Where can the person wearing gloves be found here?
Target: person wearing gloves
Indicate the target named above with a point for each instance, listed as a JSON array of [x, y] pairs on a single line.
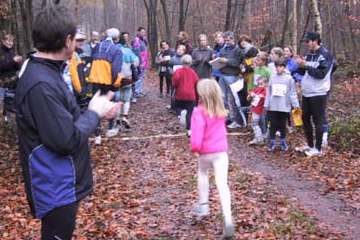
[[53, 134]]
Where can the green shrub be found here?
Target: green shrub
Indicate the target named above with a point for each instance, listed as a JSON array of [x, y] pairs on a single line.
[[345, 134]]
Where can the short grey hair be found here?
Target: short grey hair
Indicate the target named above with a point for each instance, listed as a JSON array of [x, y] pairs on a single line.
[[186, 60], [113, 33], [229, 34]]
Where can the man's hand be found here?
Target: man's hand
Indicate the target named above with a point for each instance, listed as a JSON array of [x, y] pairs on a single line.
[[223, 60], [300, 61], [102, 105], [18, 59], [114, 112], [196, 154]]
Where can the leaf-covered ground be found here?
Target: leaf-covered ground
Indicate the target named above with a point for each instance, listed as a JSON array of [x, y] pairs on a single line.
[[145, 186]]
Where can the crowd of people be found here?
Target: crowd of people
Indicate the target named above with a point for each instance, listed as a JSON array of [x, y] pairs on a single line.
[[259, 87], [216, 88]]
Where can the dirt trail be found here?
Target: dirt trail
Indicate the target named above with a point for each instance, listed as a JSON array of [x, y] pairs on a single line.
[[328, 208]]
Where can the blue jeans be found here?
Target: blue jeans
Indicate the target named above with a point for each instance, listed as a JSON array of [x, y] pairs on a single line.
[[124, 94], [225, 82], [139, 84]]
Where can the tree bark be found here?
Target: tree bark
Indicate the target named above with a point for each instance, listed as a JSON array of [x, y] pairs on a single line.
[[314, 6], [151, 10], [166, 20], [295, 25], [228, 15], [305, 29], [286, 22], [351, 31], [183, 10]]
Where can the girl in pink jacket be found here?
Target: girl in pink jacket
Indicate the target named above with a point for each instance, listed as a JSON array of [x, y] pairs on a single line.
[[209, 144]]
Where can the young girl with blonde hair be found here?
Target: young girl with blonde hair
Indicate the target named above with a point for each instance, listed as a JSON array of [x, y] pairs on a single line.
[[209, 143]]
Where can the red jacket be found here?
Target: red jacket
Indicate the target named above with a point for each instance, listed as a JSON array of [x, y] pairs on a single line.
[[184, 82], [257, 102]]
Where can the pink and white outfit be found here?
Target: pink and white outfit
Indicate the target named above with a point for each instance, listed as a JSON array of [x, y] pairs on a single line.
[[208, 138]]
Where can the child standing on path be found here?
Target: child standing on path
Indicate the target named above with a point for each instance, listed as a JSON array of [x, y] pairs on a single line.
[[209, 142], [257, 98], [280, 97]]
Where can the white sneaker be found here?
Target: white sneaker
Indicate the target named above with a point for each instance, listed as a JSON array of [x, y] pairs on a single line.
[[277, 133], [97, 140], [325, 140], [201, 210], [313, 152], [112, 132], [188, 133], [233, 125], [290, 129], [256, 142], [134, 100], [229, 231], [302, 149]]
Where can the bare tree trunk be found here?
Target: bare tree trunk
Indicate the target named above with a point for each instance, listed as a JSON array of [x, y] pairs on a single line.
[[351, 32], [286, 22], [305, 29], [228, 15], [43, 3], [295, 25], [166, 19], [151, 10], [241, 16], [314, 6], [183, 13]]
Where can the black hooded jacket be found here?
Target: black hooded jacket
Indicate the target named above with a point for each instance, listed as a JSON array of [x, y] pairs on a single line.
[[53, 137]]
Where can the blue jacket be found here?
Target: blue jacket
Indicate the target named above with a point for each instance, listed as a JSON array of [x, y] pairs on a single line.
[[217, 49], [235, 58], [293, 67], [53, 138], [317, 73], [106, 64]]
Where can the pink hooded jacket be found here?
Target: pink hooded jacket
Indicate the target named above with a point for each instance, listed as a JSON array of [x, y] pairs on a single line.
[[208, 134]]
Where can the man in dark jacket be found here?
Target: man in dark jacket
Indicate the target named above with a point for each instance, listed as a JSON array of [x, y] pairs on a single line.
[[317, 69], [53, 135], [231, 57], [201, 58], [9, 62]]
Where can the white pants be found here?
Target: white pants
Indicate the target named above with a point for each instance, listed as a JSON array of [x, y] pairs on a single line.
[[220, 163]]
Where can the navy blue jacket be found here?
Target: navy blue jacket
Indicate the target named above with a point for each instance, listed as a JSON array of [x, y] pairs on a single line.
[[235, 58], [53, 138]]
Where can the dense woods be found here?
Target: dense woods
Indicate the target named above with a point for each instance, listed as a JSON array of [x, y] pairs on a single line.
[[280, 22]]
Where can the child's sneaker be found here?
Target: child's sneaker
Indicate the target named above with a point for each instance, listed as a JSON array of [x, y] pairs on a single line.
[[112, 132], [125, 122], [256, 142], [303, 148], [325, 140], [233, 125], [202, 210], [283, 145], [97, 140], [228, 232], [313, 152], [272, 146], [290, 129], [188, 133]]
